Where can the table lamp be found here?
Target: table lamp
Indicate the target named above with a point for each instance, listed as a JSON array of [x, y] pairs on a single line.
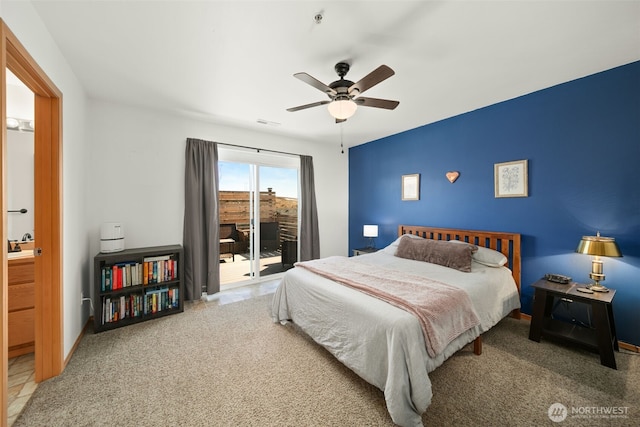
[[598, 246], [370, 232]]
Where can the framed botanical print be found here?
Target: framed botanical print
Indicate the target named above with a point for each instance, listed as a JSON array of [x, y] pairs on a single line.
[[411, 187], [510, 179]]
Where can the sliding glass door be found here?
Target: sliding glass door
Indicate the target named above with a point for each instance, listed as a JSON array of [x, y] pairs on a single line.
[[258, 204]]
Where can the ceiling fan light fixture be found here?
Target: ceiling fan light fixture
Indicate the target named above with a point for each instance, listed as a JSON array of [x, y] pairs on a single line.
[[342, 92], [342, 108]]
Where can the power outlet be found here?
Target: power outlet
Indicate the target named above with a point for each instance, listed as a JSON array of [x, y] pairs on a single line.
[[84, 299]]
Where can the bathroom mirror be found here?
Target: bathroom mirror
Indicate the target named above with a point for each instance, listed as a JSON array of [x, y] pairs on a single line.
[[20, 160]]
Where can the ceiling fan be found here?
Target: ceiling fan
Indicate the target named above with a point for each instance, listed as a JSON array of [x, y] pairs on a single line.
[[344, 95]]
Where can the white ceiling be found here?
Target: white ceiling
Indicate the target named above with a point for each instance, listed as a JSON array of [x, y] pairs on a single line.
[[232, 61]]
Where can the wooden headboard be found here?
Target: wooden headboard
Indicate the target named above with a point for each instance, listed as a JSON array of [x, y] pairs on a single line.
[[506, 243]]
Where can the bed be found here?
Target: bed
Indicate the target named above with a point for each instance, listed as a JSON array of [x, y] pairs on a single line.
[[386, 344]]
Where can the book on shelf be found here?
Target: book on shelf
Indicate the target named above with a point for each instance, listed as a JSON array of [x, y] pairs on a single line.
[[161, 299], [135, 305], [157, 258], [159, 269], [126, 274], [122, 307], [103, 280]]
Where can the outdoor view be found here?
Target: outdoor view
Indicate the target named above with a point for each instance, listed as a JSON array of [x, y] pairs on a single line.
[[276, 248]]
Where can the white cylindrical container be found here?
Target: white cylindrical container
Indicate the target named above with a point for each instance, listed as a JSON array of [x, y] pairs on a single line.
[[111, 237]]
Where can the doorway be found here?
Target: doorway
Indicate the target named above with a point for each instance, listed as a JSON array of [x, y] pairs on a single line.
[[19, 193], [47, 212], [258, 205]]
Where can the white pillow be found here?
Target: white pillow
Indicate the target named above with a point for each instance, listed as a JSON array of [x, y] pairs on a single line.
[[487, 256], [393, 246]]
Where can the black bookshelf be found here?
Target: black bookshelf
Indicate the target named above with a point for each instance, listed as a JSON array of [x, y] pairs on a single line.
[[136, 285]]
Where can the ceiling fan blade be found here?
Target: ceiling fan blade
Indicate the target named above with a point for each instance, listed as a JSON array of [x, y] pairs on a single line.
[[375, 102], [315, 83], [302, 107], [373, 78]]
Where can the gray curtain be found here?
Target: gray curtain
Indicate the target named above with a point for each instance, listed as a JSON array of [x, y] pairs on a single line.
[[201, 232], [309, 237]]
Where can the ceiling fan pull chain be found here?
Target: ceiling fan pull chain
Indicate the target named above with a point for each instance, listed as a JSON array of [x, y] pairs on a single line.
[[341, 134]]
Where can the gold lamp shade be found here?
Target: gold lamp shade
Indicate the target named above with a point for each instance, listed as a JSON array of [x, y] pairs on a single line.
[[598, 246]]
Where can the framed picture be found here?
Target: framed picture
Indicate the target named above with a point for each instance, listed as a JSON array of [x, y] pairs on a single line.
[[510, 179], [411, 187]]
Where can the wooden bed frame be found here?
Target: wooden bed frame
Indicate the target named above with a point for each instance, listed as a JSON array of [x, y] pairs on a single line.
[[506, 243]]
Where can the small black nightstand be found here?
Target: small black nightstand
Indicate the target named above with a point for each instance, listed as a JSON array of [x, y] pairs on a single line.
[[601, 338], [363, 251]]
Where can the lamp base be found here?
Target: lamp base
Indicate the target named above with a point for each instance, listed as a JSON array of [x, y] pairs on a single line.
[[370, 243], [598, 288]]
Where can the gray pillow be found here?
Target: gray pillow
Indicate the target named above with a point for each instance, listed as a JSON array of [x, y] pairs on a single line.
[[439, 252]]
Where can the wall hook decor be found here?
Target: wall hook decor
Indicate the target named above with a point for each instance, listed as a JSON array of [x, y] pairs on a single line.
[[452, 176]]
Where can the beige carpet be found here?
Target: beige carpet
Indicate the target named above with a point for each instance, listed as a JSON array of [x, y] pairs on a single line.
[[229, 365]]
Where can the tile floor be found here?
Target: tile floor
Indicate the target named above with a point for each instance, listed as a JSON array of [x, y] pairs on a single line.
[[21, 369], [21, 384]]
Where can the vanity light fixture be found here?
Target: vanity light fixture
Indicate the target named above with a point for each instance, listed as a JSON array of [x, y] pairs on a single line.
[[26, 125], [12, 123]]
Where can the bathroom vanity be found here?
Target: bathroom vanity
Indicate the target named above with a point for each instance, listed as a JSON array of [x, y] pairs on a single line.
[[21, 306]]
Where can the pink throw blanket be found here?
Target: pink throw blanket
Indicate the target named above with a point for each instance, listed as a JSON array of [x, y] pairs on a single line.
[[444, 311]]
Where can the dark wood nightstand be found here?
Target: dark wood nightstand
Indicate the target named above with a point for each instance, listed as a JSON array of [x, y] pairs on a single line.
[[363, 251], [601, 338]]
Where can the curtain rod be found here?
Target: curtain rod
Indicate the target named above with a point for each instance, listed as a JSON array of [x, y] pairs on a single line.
[[259, 149]]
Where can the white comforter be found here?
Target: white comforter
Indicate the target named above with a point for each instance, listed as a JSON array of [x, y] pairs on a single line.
[[384, 344]]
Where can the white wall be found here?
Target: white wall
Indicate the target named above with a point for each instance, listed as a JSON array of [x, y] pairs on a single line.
[[25, 23], [137, 161], [129, 167]]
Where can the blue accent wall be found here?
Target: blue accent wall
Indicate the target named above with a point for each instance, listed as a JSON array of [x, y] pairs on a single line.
[[582, 143]]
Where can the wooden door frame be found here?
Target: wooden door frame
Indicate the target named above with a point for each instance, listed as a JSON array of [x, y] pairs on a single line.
[[47, 213]]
